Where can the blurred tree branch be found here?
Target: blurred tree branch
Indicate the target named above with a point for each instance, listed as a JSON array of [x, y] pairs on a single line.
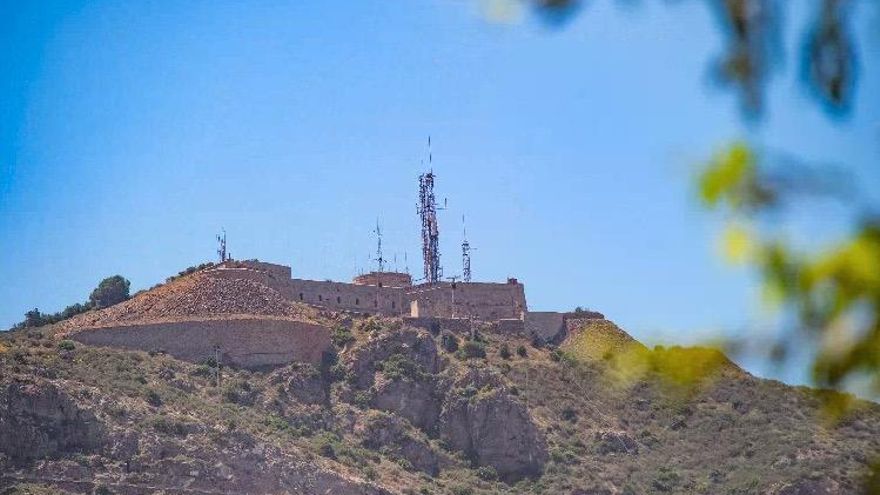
[[751, 30]]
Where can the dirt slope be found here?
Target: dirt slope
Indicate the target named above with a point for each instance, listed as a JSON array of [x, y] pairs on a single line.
[[194, 296]]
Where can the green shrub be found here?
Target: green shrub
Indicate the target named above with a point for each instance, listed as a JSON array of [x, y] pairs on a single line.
[[169, 426], [341, 336], [472, 349], [462, 490], [111, 290], [153, 398], [400, 367], [369, 325], [66, 345], [504, 351], [363, 399], [487, 473], [521, 351], [449, 342]]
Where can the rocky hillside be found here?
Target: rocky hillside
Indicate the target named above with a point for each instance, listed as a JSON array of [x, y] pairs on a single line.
[[406, 411]]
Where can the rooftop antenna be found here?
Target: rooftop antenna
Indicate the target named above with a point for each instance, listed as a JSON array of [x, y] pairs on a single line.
[[221, 246], [405, 263], [379, 257], [465, 255], [427, 210]]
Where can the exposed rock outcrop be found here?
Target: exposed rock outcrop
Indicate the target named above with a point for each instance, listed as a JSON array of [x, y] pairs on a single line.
[[493, 428], [387, 432], [416, 346], [412, 398], [39, 420], [302, 383]]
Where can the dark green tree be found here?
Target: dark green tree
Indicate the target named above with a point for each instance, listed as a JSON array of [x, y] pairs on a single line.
[[111, 290]]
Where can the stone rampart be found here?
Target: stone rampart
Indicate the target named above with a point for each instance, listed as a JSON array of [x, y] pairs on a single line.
[[483, 301], [242, 342], [345, 297], [549, 326]]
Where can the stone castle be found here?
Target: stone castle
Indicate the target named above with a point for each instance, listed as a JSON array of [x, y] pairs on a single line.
[[454, 304], [389, 293], [260, 340]]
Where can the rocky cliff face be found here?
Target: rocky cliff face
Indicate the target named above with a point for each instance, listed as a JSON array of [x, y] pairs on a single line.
[[37, 420], [403, 411]]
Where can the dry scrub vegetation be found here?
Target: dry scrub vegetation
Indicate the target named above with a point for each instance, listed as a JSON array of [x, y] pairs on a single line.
[[609, 416]]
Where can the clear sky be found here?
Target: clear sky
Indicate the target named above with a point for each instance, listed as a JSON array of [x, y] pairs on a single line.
[[131, 132]]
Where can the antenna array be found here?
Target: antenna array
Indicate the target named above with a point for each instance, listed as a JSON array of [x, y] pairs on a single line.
[[427, 210], [221, 247], [465, 255]]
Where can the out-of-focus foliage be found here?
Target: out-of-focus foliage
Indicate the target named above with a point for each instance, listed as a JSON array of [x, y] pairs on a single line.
[[684, 370], [752, 33], [831, 295]]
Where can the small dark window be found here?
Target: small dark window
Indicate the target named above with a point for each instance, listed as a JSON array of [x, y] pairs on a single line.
[[338, 300], [300, 296], [320, 297], [380, 284], [392, 304], [357, 302]]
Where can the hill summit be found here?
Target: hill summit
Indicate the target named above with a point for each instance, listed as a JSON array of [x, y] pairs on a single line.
[[218, 384]]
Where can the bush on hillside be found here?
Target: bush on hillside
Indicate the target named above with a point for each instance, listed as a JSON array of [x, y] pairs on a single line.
[[449, 341], [111, 290], [504, 351], [472, 349], [341, 336]]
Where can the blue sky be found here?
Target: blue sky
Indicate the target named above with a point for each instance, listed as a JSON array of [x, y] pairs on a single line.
[[131, 132]]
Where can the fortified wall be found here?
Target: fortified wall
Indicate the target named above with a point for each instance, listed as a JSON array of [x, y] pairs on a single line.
[[389, 293], [393, 294], [244, 342]]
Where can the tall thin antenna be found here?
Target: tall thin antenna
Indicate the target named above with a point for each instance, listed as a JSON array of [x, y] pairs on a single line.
[[379, 258], [405, 263], [221, 246], [427, 210], [465, 255]]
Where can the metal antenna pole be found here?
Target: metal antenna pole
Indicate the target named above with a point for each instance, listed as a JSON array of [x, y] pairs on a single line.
[[379, 257], [465, 255], [427, 210], [221, 249]]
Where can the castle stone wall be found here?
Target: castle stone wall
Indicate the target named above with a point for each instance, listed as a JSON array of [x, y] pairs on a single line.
[[346, 297], [246, 342], [483, 301], [549, 326]]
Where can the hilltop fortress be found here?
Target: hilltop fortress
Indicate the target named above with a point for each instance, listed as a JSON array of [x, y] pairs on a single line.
[[389, 293], [256, 314], [393, 294]]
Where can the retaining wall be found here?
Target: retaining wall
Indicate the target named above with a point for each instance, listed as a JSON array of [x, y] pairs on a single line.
[[245, 342]]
